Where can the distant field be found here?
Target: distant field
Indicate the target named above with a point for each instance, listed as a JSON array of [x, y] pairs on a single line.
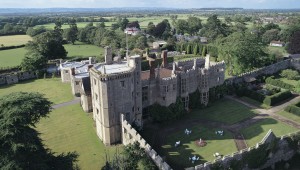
[[53, 89], [79, 25], [12, 57], [14, 40], [70, 129], [9, 58], [83, 50]]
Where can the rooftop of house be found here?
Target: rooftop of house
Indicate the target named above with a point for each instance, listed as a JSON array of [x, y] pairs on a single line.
[[113, 68], [277, 42]]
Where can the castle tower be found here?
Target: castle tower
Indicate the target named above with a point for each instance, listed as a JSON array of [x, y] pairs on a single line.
[[116, 89]]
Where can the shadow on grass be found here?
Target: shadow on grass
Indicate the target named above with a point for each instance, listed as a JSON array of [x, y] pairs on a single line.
[[20, 82]]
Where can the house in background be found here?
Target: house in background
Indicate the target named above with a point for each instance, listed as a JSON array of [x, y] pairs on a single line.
[[277, 44]]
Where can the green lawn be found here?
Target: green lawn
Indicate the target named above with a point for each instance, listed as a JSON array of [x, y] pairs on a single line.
[[53, 88], [83, 50], [224, 110], [179, 157], [255, 133], [14, 40], [289, 115], [70, 129], [255, 103], [9, 58]]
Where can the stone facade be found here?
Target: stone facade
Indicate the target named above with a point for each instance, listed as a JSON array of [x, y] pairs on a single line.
[[13, 78]]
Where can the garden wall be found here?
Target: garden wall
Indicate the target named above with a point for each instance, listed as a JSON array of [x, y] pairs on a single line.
[[13, 78], [130, 135], [283, 153]]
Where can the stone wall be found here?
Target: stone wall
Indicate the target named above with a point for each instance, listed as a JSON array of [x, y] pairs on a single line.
[[283, 153], [130, 135], [13, 78]]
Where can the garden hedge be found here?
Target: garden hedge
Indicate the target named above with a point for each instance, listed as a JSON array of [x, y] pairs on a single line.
[[11, 47], [279, 83], [293, 109], [276, 98]]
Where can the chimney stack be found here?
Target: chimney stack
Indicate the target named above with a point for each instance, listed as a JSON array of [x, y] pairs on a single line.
[[72, 71], [108, 55], [164, 56], [90, 66], [90, 60], [152, 69]]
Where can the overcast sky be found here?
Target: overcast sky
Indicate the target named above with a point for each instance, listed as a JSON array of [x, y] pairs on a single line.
[[257, 4]]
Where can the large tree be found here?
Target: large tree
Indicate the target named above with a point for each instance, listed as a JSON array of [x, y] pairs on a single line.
[[72, 32], [293, 47], [270, 35], [20, 145], [214, 28], [242, 52], [194, 25]]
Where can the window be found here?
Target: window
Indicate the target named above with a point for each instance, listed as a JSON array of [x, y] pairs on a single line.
[[183, 85], [164, 98], [137, 94], [122, 83], [166, 88], [174, 87], [95, 81], [77, 82], [66, 71], [218, 80], [96, 96], [97, 111]]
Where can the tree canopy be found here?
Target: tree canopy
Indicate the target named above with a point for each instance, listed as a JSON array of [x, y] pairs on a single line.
[[20, 145]]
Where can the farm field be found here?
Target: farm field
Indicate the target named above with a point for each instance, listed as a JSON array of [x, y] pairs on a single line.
[[255, 133], [69, 129], [14, 40], [13, 57], [52, 88]]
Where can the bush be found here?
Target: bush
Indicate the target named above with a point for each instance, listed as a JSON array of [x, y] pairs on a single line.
[[293, 109], [279, 83], [276, 98], [290, 74], [11, 47], [254, 95]]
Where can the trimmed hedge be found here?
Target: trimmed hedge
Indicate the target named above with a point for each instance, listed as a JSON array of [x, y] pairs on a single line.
[[11, 47], [254, 95], [276, 98], [293, 109], [279, 83]]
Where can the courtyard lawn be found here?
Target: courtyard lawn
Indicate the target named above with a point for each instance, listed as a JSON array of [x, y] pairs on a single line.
[[13, 57], [224, 110], [290, 116], [83, 50], [256, 132], [178, 157], [53, 88], [70, 129], [14, 40]]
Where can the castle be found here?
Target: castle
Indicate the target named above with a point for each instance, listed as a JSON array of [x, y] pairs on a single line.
[[118, 87]]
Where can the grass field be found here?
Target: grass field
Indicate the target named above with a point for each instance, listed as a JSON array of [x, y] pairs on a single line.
[[53, 88], [226, 111], [12, 57], [83, 50], [14, 40], [289, 115], [255, 133], [70, 129], [179, 156]]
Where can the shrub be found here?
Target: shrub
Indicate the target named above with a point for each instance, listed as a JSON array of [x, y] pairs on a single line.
[[290, 74], [11, 47], [293, 109], [276, 98]]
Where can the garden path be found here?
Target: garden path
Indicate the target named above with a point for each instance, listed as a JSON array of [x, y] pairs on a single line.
[[74, 101]]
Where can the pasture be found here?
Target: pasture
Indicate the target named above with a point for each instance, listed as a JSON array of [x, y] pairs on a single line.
[[14, 40], [13, 57]]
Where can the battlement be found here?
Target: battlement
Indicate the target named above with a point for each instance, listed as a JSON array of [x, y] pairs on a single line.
[[130, 135]]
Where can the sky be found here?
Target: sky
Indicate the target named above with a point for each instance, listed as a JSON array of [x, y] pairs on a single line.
[[248, 4]]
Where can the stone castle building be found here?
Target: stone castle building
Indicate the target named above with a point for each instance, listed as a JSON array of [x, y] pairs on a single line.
[[118, 87]]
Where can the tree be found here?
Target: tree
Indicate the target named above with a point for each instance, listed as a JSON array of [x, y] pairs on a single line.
[[150, 28], [48, 44], [270, 35], [214, 28], [181, 26], [271, 26], [194, 25], [72, 32], [33, 62], [290, 74], [133, 24], [196, 49], [188, 49], [123, 23], [293, 47], [20, 145], [141, 42], [242, 52]]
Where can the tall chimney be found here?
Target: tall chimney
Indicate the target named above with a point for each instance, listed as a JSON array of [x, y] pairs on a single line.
[[90, 60], [207, 61], [72, 71], [108, 55], [164, 56], [152, 69]]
